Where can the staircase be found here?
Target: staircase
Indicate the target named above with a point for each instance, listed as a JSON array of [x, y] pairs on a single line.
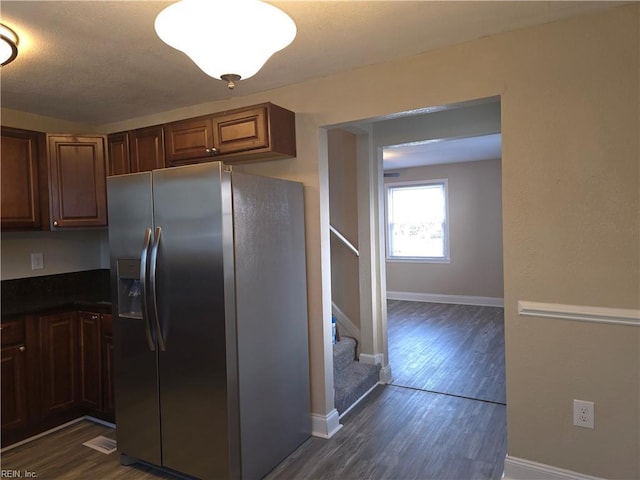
[[351, 379]]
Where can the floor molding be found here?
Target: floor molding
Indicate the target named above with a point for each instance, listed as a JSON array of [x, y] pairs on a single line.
[[521, 469], [325, 426], [59, 427], [441, 298], [583, 313], [42, 434], [386, 376], [359, 400]]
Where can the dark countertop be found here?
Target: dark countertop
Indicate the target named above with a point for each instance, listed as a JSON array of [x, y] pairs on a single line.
[[69, 291]]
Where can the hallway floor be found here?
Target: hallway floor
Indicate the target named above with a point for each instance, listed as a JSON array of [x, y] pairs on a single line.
[[399, 432]]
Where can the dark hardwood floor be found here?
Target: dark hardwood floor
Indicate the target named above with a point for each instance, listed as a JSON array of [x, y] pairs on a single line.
[[399, 432], [452, 349]]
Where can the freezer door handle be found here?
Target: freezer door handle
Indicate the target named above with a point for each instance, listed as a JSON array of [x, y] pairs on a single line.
[[152, 282], [143, 283]]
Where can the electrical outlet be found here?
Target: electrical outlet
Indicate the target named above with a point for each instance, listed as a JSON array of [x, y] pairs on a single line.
[[583, 414], [37, 262]]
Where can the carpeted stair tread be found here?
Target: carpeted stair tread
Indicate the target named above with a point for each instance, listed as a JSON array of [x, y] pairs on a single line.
[[352, 382], [351, 379], [344, 353]]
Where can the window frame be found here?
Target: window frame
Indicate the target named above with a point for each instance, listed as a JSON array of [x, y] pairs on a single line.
[[388, 187]]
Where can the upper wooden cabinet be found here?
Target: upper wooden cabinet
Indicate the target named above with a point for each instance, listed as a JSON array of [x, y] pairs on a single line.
[[188, 139], [147, 149], [77, 180], [20, 163], [119, 156], [260, 132], [140, 150]]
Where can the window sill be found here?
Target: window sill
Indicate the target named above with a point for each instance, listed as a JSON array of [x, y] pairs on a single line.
[[418, 259]]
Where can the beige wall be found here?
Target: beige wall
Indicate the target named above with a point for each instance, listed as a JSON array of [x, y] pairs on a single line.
[[343, 213], [63, 252], [570, 123], [475, 232]]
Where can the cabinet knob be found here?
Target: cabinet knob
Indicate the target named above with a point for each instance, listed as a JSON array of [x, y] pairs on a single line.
[[22, 348], [212, 150], [94, 317], [55, 223]]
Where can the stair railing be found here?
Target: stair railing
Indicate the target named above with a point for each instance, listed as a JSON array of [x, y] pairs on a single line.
[[344, 240]]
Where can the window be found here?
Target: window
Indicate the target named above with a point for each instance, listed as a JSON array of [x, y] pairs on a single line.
[[417, 228]]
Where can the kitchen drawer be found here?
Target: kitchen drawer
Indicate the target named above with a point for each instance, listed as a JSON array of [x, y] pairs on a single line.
[[12, 332]]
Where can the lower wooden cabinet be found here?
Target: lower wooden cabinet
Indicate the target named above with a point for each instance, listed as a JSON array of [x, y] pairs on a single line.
[[90, 360], [13, 383], [108, 392], [55, 367], [58, 362]]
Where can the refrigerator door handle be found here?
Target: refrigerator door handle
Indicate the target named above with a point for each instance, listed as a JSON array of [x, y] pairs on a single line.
[[143, 283], [152, 283]]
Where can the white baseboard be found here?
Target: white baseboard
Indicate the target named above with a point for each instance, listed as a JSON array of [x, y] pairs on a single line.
[[441, 298], [359, 400], [325, 426], [344, 322], [371, 359], [386, 376], [521, 469]]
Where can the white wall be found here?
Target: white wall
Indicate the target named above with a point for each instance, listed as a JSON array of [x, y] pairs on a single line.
[[475, 232]]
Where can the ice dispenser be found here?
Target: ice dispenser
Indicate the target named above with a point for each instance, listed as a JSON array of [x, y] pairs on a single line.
[[129, 288]]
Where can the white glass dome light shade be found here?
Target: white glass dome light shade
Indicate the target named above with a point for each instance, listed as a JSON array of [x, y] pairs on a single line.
[[8, 45], [226, 37]]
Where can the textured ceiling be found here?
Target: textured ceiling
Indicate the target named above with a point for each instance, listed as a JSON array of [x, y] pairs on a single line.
[[100, 62]]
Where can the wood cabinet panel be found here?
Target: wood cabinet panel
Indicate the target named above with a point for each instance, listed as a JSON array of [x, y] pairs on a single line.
[[188, 139], [237, 132], [13, 382], [58, 362], [118, 144], [19, 165], [77, 180], [260, 132], [147, 149], [90, 360], [108, 398]]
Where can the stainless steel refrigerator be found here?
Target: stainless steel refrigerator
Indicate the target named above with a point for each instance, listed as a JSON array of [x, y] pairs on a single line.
[[210, 320]]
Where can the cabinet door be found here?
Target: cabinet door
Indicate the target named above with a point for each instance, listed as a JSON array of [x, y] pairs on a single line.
[[188, 140], [59, 362], [108, 396], [261, 132], [241, 131], [19, 156], [14, 387], [147, 149], [119, 153], [77, 180], [90, 361]]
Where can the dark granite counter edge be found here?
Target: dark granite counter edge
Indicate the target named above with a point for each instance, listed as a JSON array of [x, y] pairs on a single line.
[[98, 306], [88, 290]]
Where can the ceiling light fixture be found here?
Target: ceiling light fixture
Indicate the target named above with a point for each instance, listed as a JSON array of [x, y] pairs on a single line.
[[227, 39], [8, 45]]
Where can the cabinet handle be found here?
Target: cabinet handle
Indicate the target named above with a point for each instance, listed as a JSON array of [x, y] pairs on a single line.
[[212, 151], [22, 348], [55, 223]]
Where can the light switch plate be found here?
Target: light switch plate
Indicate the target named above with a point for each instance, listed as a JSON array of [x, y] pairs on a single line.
[[37, 261]]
